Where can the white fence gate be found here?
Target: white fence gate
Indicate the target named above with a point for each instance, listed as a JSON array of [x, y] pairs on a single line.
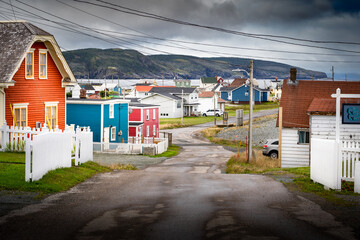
[[350, 153], [47, 150]]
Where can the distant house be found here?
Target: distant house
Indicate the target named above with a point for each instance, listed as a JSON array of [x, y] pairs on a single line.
[[301, 98], [241, 94], [238, 82], [206, 101], [90, 90], [33, 76], [143, 120], [208, 83], [169, 99], [182, 83], [140, 91]]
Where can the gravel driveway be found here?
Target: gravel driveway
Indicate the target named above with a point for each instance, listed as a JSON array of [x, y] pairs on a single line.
[[264, 128]]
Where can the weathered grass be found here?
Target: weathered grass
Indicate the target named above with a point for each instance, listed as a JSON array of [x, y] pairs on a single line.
[[258, 107], [123, 167], [237, 164], [171, 152], [170, 123]]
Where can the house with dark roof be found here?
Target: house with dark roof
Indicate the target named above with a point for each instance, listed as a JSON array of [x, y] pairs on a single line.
[[90, 90], [309, 112], [241, 94], [143, 120], [170, 99], [33, 76], [208, 83]]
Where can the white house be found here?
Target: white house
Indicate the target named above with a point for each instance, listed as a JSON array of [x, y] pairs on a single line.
[[206, 100], [140, 91], [170, 99], [208, 83], [298, 101]]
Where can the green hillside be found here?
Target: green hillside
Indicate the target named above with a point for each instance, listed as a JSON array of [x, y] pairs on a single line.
[[100, 63]]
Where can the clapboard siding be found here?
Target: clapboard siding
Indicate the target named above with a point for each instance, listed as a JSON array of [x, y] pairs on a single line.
[[37, 91], [292, 153], [324, 127]]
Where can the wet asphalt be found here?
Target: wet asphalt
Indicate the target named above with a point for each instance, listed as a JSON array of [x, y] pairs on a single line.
[[184, 197]]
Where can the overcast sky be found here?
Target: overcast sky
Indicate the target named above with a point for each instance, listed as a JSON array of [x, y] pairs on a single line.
[[322, 20]]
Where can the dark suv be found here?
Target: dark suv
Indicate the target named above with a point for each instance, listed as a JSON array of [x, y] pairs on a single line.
[[271, 148]]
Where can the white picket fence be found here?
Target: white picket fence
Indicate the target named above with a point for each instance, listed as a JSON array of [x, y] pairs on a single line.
[[350, 153], [47, 150]]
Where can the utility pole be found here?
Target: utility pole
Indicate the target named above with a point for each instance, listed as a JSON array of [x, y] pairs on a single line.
[[333, 73], [214, 110], [250, 110], [182, 106]]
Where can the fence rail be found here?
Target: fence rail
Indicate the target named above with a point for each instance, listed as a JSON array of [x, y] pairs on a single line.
[[350, 153]]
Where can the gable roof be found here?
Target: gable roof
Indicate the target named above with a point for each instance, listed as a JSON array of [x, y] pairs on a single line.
[[88, 87], [238, 82], [227, 89], [297, 98], [206, 95], [16, 37], [172, 92], [209, 80]]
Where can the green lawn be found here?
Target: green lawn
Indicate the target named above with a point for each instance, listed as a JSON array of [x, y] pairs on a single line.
[[264, 106], [169, 123], [12, 175], [171, 152]]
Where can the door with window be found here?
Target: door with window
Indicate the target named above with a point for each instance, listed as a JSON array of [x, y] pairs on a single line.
[[106, 138]]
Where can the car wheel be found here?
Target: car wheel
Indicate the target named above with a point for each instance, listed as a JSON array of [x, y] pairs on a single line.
[[204, 115], [273, 155], [217, 115]]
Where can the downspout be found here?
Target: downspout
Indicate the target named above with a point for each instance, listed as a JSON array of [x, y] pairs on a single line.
[[102, 125], [119, 123]]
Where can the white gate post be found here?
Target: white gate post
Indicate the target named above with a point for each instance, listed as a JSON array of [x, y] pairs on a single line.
[[337, 138], [28, 158], [77, 143]]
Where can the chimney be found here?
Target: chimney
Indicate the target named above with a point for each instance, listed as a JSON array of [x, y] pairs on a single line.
[[292, 79]]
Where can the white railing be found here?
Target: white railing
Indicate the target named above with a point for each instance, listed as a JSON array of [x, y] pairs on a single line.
[[350, 153]]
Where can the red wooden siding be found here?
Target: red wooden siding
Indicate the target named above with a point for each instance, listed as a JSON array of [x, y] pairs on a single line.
[[37, 91], [132, 132], [135, 115], [151, 122]]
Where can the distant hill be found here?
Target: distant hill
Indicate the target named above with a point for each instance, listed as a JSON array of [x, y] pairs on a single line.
[[132, 64]]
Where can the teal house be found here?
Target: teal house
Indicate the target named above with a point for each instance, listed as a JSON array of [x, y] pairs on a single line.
[[242, 94], [107, 118]]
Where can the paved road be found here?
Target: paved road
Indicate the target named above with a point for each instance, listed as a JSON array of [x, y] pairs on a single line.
[[185, 197]]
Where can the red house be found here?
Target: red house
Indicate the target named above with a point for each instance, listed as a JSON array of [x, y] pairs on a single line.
[[143, 120], [33, 76]]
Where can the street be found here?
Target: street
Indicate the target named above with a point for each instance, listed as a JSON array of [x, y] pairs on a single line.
[[185, 197]]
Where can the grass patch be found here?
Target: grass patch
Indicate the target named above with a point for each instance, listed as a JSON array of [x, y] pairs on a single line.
[[123, 167], [258, 107], [12, 176], [170, 123], [238, 164], [171, 152]]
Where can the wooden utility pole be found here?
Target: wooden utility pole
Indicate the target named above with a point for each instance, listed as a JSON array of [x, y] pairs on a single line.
[[182, 107], [214, 110], [280, 132], [333, 73], [250, 110]]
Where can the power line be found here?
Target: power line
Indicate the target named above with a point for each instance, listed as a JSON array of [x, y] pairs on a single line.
[[158, 17]]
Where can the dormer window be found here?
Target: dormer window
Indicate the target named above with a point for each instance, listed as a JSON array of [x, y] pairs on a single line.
[[29, 65], [42, 64]]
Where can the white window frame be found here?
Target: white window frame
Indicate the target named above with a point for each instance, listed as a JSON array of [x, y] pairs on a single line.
[[43, 51], [154, 130], [21, 105], [147, 114], [147, 131], [52, 104], [305, 131], [154, 114], [111, 110], [113, 133], [32, 50]]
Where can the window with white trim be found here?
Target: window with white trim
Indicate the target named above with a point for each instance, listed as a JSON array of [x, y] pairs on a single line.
[[147, 114], [51, 114], [20, 114], [154, 114], [154, 130], [147, 131], [29, 65], [42, 63], [113, 133], [111, 110]]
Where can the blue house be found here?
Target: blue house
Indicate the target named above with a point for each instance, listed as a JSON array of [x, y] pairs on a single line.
[[241, 94], [107, 118]]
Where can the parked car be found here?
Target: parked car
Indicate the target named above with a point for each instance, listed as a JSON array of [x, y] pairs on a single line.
[[271, 148], [211, 112]]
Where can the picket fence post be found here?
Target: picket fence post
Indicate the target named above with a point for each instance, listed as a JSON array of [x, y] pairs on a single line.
[[28, 175]]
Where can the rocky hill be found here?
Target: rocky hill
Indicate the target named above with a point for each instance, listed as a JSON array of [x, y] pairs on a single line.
[[126, 64]]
